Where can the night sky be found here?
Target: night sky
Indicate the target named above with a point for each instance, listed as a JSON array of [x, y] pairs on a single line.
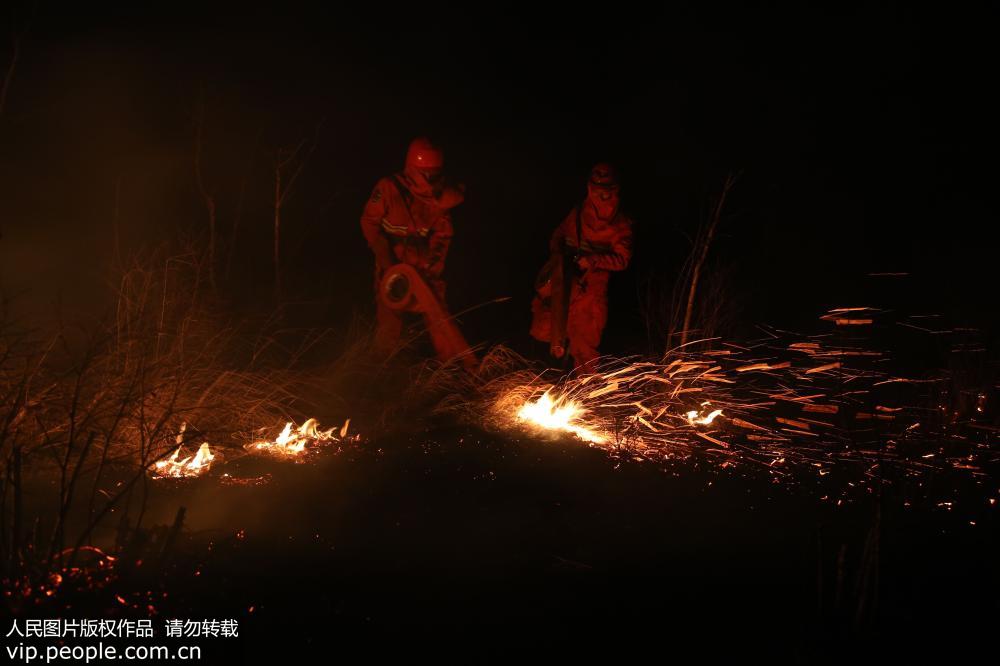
[[864, 139]]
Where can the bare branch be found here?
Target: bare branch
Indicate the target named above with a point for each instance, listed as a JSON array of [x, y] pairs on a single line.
[[702, 253]]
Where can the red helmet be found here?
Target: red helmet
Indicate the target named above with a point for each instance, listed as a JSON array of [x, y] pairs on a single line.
[[424, 155]]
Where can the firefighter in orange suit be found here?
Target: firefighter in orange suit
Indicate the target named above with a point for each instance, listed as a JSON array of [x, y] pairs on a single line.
[[597, 236], [408, 219]]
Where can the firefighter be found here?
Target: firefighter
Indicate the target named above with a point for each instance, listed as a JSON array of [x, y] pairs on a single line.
[[408, 219], [594, 240]]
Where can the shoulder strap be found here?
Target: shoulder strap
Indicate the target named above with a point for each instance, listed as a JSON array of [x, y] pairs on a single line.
[[403, 192], [406, 196]]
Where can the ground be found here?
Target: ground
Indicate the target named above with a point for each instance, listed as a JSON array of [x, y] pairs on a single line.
[[468, 542]]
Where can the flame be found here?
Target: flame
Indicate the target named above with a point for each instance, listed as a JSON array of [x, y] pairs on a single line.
[[694, 419], [292, 441], [185, 467], [560, 414]]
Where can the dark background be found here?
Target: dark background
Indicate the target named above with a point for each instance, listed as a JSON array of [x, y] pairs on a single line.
[[865, 140], [863, 134]]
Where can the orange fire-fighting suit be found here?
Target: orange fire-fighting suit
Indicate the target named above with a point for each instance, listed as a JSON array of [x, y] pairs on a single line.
[[599, 237], [407, 219]]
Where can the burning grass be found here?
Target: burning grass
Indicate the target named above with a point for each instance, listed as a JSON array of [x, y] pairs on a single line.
[[790, 406], [560, 414], [188, 466], [295, 442]]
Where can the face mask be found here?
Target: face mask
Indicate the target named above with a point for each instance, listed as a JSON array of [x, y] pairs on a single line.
[[424, 181], [605, 201], [433, 177]]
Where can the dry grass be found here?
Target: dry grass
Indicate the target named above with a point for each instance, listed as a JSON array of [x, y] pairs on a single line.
[[697, 303], [96, 405]]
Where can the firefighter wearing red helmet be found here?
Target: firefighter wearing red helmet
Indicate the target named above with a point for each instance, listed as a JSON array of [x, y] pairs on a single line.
[[408, 219], [594, 240]]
